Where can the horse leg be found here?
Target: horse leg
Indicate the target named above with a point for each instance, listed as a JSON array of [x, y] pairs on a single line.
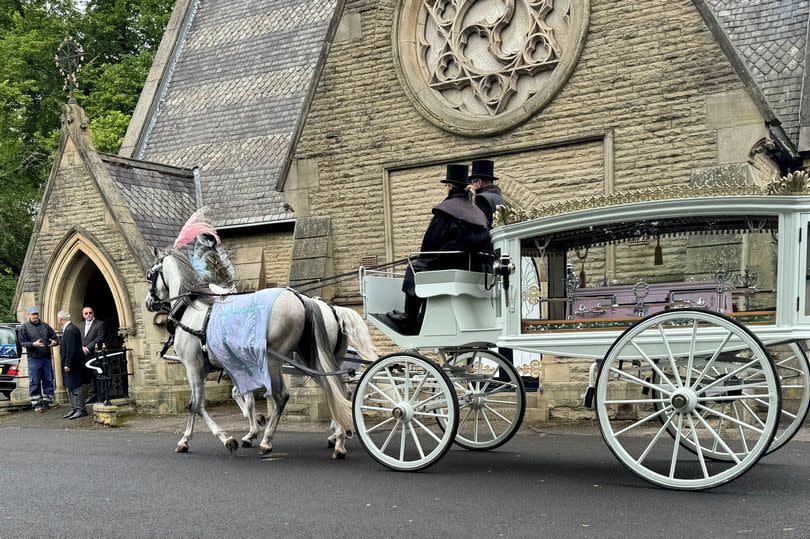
[[330, 441], [280, 398], [248, 410], [197, 374], [340, 443], [196, 386]]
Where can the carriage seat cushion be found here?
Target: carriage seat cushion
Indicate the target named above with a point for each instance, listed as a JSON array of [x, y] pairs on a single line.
[[452, 282]]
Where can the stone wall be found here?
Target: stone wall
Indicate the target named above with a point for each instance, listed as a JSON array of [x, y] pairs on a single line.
[[645, 75], [652, 99]]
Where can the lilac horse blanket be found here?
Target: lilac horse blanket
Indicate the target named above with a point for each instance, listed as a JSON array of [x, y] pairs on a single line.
[[237, 337]]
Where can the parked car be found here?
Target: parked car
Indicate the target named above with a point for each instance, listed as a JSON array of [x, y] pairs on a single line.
[[10, 353]]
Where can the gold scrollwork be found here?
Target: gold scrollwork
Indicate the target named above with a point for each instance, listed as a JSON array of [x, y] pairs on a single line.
[[795, 183]]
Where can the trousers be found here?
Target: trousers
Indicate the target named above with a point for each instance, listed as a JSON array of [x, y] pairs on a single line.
[[40, 380]]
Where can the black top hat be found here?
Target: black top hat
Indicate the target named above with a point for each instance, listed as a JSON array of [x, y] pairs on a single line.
[[483, 169], [457, 174]]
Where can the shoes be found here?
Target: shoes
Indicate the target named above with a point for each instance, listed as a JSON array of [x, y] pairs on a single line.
[[49, 405], [39, 410], [70, 413], [78, 413]]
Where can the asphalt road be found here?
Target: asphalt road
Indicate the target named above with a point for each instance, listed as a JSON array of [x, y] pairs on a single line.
[[117, 483]]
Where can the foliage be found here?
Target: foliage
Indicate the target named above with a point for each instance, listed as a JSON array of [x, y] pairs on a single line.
[[119, 38]]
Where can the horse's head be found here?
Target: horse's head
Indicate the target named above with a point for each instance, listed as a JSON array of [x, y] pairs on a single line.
[[159, 295]]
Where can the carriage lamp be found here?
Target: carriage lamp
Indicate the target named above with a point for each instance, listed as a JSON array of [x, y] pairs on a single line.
[[504, 267]]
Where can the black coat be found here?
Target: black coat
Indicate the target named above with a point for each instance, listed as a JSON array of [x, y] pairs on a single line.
[[457, 225], [94, 337], [488, 199], [73, 357]]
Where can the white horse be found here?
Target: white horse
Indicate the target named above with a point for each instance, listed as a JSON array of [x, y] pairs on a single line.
[[351, 331], [174, 282]]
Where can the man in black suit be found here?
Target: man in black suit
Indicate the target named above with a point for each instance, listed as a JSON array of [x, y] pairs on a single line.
[[73, 365], [92, 337]]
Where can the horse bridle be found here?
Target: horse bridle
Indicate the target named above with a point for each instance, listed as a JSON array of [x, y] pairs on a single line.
[[155, 304]]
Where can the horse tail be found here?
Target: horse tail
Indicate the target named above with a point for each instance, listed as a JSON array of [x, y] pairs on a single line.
[[355, 328], [335, 390]]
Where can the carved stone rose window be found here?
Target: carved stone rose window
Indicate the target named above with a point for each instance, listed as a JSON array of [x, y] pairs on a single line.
[[479, 67]]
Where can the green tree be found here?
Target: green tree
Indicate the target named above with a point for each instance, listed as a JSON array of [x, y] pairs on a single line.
[[120, 38]]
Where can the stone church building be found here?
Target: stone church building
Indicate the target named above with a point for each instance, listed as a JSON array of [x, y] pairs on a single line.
[[316, 132]]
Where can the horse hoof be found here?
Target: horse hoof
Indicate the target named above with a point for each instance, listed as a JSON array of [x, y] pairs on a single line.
[[231, 445], [338, 455], [247, 443], [265, 449], [181, 448], [261, 420]]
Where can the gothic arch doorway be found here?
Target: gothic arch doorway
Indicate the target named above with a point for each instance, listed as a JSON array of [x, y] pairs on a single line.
[[81, 273]]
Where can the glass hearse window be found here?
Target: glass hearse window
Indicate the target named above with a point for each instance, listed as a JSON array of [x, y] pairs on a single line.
[[609, 276]]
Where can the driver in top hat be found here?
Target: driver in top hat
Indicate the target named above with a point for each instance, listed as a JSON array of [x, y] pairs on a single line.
[[457, 225], [487, 195]]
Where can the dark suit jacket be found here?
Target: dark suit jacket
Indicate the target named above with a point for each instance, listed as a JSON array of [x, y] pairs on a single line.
[[73, 357], [94, 336]]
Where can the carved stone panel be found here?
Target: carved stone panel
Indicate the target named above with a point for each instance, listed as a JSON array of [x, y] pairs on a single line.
[[479, 67]]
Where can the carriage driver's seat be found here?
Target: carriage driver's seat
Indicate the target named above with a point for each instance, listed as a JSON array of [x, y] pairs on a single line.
[[458, 308]]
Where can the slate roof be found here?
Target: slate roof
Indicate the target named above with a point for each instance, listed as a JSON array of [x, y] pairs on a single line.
[[771, 37], [234, 98], [160, 198]]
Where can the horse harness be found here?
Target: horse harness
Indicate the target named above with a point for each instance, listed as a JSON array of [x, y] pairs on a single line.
[[185, 300]]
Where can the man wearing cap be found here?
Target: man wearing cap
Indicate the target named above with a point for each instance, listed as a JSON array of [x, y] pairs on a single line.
[[457, 225], [38, 338], [487, 195]]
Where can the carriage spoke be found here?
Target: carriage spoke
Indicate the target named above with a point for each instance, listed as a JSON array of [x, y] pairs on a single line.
[[402, 444], [427, 430], [634, 401], [718, 439], [674, 462], [381, 392], [739, 428], [711, 360], [698, 447], [380, 424], [644, 420], [393, 384], [489, 424], [728, 375], [418, 388], [691, 359], [670, 356], [494, 411], [732, 419], [407, 380], [416, 441], [390, 437], [655, 439], [653, 365], [627, 375]]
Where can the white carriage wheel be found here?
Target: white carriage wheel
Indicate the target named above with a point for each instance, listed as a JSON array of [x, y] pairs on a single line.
[[491, 399], [666, 358], [395, 406], [792, 368]]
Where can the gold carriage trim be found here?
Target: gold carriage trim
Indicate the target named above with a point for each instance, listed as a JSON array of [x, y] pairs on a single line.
[[795, 183]]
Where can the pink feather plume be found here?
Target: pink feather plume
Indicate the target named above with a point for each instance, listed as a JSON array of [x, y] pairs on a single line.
[[197, 224]]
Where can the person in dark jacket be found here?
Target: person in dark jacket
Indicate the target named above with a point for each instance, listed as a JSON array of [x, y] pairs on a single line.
[[92, 338], [457, 225], [38, 338], [487, 195], [75, 373]]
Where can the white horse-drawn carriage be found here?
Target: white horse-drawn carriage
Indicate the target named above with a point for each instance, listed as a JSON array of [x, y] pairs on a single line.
[[695, 319]]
